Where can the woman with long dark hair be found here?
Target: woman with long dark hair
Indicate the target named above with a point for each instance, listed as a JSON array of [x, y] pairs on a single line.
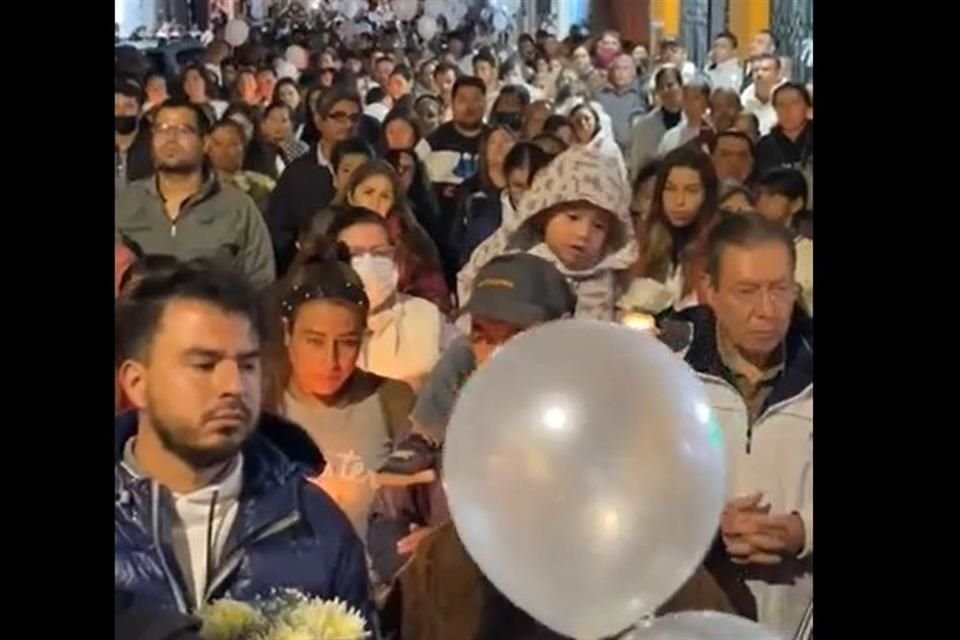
[[684, 207], [420, 196]]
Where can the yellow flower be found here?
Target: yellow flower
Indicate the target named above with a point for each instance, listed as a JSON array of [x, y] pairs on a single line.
[[286, 632], [328, 620], [229, 619]]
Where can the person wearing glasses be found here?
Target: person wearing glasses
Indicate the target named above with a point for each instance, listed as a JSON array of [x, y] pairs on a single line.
[[756, 360], [184, 210], [405, 334], [307, 183]]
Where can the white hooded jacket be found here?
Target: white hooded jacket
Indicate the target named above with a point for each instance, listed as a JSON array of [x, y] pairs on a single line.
[[592, 173], [774, 456]]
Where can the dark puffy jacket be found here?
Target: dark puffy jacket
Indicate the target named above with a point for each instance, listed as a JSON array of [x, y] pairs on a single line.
[[134, 621], [287, 533], [479, 214], [304, 189]]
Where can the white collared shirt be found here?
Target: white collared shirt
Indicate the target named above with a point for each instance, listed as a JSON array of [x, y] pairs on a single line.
[[766, 114]]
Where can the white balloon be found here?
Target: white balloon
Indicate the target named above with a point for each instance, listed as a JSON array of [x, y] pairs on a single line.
[[500, 21], [236, 32], [585, 474], [297, 56], [455, 12], [405, 9], [701, 625], [427, 27], [511, 6], [433, 8], [349, 8]]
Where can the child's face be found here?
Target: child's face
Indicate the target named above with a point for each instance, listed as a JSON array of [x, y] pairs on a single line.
[[777, 207], [577, 234], [487, 335]]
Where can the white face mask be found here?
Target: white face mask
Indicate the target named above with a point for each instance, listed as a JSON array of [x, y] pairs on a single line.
[[379, 275]]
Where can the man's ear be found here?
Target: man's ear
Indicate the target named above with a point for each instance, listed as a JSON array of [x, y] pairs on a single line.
[[133, 380]]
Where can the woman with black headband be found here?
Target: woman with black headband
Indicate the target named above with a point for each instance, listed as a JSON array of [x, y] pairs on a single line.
[[353, 416]]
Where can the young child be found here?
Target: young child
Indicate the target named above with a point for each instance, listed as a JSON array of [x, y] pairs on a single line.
[[782, 197], [576, 216]]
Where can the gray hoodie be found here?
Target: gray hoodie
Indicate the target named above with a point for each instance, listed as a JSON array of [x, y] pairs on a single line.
[[219, 222]]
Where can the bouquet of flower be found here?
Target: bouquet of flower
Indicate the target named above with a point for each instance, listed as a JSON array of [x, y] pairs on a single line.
[[286, 615]]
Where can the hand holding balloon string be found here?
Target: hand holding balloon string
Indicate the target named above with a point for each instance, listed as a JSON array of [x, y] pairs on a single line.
[[753, 536]]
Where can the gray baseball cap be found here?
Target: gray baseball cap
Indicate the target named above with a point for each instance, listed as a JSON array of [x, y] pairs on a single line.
[[521, 289]]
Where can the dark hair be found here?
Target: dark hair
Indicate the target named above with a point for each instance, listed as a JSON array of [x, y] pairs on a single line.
[[375, 95], [730, 188], [649, 170], [660, 251], [485, 55], [483, 164], [277, 105], [793, 86], [227, 123], [554, 122], [744, 230], [528, 155], [526, 37], [209, 83], [146, 266], [382, 58], [770, 56], [443, 67], [282, 82], [661, 74], [154, 74], [335, 94], [427, 96], [544, 140], [408, 116], [513, 90], [403, 70], [730, 133], [752, 118], [320, 272], [350, 146], [784, 181], [203, 122], [349, 216], [729, 36], [266, 70], [129, 88], [139, 310], [468, 81], [596, 116]]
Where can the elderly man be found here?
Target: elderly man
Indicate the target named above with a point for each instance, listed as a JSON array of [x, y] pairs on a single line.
[[623, 99]]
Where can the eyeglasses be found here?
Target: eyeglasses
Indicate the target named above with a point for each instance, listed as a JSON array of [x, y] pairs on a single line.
[[340, 116], [779, 294], [178, 130]]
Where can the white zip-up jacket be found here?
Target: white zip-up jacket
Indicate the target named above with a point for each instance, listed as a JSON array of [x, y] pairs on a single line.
[[774, 456]]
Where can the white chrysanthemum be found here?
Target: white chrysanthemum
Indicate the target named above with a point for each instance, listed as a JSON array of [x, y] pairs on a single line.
[[286, 632], [230, 619], [328, 620]]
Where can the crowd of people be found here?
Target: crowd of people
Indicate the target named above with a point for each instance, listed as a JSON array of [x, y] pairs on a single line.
[[314, 253]]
